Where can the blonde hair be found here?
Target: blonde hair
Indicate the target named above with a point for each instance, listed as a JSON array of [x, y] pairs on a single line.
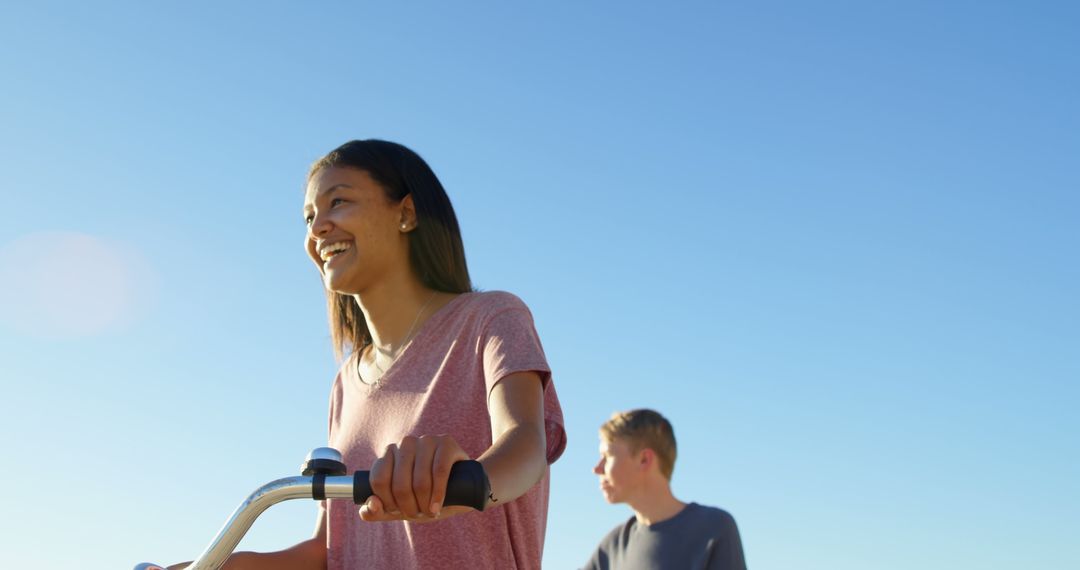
[[642, 429]]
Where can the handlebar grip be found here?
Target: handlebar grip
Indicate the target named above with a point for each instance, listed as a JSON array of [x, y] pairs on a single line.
[[468, 486]]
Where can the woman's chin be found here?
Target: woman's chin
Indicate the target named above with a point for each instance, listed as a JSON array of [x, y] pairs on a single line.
[[337, 283]]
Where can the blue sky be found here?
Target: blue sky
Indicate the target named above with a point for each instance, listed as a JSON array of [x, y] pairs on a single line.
[[834, 243]]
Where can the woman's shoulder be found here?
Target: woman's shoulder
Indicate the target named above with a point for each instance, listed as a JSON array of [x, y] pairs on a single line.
[[491, 302]]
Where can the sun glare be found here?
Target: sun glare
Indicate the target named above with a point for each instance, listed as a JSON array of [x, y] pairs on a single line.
[[69, 284]]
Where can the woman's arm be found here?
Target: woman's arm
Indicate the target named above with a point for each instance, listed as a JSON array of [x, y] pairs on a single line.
[[517, 458], [307, 555], [409, 480]]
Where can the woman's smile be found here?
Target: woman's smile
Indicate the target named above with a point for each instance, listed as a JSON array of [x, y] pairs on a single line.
[[333, 251]]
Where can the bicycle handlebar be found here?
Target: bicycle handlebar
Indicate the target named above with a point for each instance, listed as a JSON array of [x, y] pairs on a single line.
[[467, 487], [324, 478]]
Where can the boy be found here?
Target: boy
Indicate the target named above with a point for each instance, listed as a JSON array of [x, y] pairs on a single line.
[[637, 456]]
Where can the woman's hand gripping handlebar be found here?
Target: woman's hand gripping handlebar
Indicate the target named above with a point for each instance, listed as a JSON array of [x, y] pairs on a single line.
[[323, 477]]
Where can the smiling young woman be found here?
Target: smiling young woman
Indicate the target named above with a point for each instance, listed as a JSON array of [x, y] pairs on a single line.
[[432, 373]]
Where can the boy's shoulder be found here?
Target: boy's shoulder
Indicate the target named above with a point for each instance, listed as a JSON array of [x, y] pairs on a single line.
[[704, 516], [705, 512], [694, 515]]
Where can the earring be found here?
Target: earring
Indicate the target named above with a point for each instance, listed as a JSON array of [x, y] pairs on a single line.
[[404, 227]]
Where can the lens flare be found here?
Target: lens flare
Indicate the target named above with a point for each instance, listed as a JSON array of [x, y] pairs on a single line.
[[68, 284]]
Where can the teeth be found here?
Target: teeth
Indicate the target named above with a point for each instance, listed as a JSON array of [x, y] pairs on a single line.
[[333, 249]]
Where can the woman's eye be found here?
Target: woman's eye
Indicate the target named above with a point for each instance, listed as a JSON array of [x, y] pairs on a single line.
[[334, 202]]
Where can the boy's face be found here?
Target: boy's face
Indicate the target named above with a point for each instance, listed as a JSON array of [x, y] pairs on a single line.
[[619, 470]]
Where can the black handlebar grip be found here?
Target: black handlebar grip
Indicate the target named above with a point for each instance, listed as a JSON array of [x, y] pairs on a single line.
[[468, 486]]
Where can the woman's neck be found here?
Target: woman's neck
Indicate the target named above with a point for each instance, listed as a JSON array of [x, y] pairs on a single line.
[[392, 308]]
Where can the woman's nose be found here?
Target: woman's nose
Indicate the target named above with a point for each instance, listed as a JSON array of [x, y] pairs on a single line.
[[598, 468], [319, 226]]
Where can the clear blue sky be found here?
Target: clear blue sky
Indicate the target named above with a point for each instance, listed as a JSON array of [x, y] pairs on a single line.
[[835, 242]]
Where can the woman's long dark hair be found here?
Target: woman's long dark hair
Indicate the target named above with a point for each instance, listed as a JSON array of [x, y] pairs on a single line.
[[436, 252]]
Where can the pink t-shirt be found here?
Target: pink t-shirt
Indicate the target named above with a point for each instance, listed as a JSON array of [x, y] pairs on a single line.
[[439, 385]]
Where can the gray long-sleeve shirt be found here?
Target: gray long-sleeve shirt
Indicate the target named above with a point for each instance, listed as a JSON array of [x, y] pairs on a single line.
[[698, 538]]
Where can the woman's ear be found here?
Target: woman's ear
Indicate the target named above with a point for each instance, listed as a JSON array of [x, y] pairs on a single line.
[[407, 223]]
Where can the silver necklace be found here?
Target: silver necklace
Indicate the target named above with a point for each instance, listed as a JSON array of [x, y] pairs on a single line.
[[392, 354]]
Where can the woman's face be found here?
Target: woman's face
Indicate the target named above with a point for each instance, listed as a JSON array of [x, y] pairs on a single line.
[[355, 234]]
